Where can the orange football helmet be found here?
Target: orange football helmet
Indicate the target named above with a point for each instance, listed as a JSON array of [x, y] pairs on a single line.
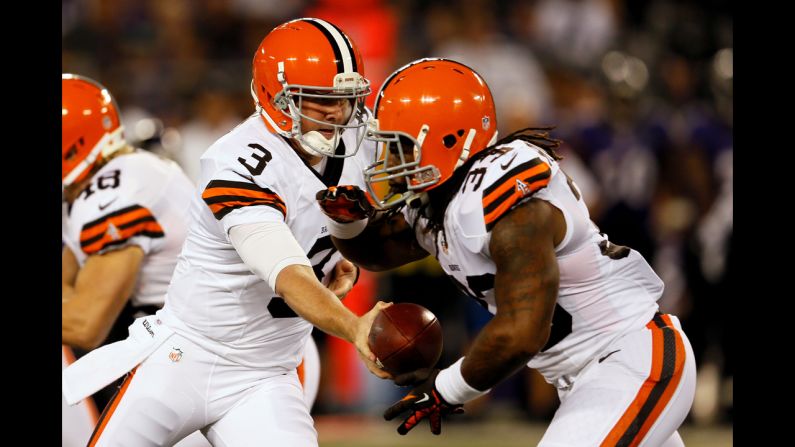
[[309, 58], [431, 115], [91, 128]]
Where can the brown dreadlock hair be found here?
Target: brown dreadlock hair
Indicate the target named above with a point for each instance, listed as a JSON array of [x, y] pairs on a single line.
[[438, 198]]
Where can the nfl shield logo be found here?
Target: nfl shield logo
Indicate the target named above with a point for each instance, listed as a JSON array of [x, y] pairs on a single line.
[[175, 355]]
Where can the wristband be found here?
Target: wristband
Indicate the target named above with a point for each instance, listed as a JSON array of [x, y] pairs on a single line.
[[452, 386], [346, 230]]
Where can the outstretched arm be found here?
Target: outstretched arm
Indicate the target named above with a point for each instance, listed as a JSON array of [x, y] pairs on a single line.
[[270, 250], [386, 243], [374, 240]]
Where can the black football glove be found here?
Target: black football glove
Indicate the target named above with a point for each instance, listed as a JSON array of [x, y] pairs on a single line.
[[345, 203], [424, 401]]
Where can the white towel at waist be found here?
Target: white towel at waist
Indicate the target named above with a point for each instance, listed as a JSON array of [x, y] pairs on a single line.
[[103, 365]]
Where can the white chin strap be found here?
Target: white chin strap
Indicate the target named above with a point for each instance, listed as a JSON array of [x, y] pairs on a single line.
[[315, 143]]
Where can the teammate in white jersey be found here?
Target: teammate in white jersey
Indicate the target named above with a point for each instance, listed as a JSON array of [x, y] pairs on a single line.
[[257, 269], [124, 223], [125, 219], [512, 230]]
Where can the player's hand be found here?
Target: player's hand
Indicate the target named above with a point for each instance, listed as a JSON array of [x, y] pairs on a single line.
[[342, 278], [345, 203], [424, 401], [362, 332]]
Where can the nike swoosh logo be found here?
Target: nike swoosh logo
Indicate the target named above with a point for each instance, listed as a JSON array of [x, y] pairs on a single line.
[[426, 397], [102, 207], [505, 166], [608, 355]]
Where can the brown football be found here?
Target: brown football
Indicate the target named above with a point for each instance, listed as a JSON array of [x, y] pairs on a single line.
[[405, 337]]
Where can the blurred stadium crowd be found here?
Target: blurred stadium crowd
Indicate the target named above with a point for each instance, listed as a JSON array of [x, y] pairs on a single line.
[[640, 92]]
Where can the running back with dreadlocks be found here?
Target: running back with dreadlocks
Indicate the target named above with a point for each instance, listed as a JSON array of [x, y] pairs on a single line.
[[438, 198], [517, 237]]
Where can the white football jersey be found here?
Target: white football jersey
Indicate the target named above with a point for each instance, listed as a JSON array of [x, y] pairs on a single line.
[[605, 290], [251, 175], [135, 199]]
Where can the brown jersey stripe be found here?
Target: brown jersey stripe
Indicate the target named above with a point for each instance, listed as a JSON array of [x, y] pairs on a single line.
[[539, 171], [668, 359], [149, 229], [90, 234], [222, 209], [230, 184], [237, 192], [107, 413], [211, 200], [518, 169], [224, 196], [499, 205], [116, 213], [216, 207], [511, 194], [135, 222]]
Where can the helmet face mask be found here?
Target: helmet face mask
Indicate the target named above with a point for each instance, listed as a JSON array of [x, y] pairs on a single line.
[[310, 60], [431, 116], [397, 177]]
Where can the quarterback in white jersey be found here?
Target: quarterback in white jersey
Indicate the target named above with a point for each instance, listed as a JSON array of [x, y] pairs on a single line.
[[512, 230], [258, 268]]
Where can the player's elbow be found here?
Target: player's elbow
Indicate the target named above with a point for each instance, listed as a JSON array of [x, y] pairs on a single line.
[[536, 340], [527, 340], [519, 345]]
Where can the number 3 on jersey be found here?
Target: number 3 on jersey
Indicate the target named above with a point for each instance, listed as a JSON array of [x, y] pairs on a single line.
[[261, 159]]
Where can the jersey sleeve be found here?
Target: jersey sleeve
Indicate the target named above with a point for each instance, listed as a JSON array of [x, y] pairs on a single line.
[[125, 226], [238, 198], [511, 179]]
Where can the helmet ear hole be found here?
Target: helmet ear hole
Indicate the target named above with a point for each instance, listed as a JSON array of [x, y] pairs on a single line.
[[449, 141], [460, 132], [70, 154]]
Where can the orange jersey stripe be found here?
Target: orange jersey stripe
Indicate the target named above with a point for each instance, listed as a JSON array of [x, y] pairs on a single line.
[[506, 184], [150, 229], [239, 192], [216, 207], [98, 227], [491, 217], [656, 391], [301, 372], [517, 184], [69, 354], [108, 412], [222, 209], [224, 196]]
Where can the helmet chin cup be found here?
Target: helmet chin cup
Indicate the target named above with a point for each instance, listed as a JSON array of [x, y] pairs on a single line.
[[316, 144]]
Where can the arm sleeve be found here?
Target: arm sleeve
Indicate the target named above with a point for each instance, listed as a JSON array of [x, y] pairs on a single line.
[[267, 248]]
